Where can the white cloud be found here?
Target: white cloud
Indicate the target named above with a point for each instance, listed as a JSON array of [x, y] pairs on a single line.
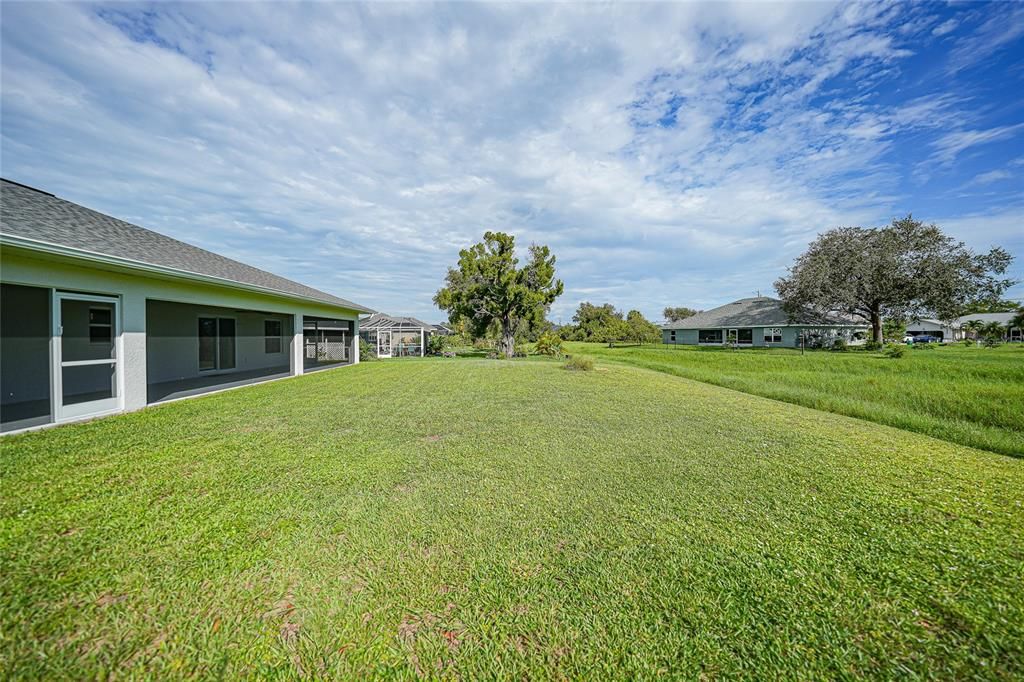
[[989, 177], [669, 154], [945, 27], [951, 145], [1004, 25]]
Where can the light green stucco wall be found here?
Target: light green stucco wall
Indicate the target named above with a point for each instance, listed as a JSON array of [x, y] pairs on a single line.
[[20, 266], [688, 337]]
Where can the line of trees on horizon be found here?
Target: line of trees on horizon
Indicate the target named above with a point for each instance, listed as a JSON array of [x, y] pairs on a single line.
[[903, 271], [604, 324]]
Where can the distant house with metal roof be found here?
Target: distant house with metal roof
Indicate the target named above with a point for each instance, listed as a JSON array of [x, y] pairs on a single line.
[[756, 322], [954, 330], [985, 318], [102, 316], [1012, 333], [396, 337]]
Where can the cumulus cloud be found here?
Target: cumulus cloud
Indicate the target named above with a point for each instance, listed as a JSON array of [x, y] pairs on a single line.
[[669, 154]]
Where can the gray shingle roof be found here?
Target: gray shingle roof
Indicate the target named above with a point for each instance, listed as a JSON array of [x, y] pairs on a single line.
[[382, 321], [33, 214], [761, 311]]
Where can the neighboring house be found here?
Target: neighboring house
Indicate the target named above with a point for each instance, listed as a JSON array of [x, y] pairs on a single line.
[[443, 329], [932, 327], [99, 316], [1016, 334], [759, 321], [395, 337]]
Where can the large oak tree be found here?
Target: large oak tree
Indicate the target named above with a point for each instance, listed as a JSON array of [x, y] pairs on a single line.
[[488, 288], [904, 270]]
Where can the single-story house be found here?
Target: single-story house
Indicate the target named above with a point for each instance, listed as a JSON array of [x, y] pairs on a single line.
[[932, 327], [954, 330], [1015, 334], [396, 337], [759, 321], [99, 316]]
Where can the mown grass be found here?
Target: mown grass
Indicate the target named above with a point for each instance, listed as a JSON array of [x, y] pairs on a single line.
[[971, 396], [478, 519]]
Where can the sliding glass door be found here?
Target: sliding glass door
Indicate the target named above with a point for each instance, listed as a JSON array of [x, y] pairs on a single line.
[[216, 343], [87, 366]]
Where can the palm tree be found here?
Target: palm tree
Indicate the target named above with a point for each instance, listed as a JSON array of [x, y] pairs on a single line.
[[1016, 322], [993, 332], [973, 327]]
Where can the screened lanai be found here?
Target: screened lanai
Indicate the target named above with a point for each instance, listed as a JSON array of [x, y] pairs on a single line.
[[395, 337], [194, 349], [327, 342]]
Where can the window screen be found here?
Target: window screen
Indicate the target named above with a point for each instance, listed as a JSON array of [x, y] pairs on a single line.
[[272, 336], [709, 336]]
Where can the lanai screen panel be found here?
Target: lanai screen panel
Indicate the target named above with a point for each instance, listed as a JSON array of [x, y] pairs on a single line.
[[327, 342], [25, 362]]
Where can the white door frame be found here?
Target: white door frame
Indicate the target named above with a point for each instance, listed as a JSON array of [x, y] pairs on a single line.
[[94, 407], [380, 333]]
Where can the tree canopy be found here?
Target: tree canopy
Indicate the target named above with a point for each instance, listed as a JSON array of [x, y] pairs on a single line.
[[596, 323], [489, 289], [640, 329], [674, 314], [603, 323], [999, 306], [905, 270]]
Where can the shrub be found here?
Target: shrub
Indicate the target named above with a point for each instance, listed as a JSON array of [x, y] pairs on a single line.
[[991, 341], [549, 343], [579, 364], [437, 344], [367, 353], [839, 345], [895, 350], [872, 345], [925, 346], [968, 342]]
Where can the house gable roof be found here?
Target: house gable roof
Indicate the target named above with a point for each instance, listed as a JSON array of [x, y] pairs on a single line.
[[382, 321], [39, 216], [760, 311], [1001, 318]]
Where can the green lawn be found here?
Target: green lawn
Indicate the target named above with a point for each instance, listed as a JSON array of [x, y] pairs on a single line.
[[971, 396], [475, 519]]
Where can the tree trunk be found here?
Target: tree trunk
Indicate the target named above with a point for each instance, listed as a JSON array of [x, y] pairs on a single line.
[[508, 339], [876, 326]]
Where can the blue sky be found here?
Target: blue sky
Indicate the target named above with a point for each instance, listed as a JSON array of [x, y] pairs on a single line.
[[676, 154]]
